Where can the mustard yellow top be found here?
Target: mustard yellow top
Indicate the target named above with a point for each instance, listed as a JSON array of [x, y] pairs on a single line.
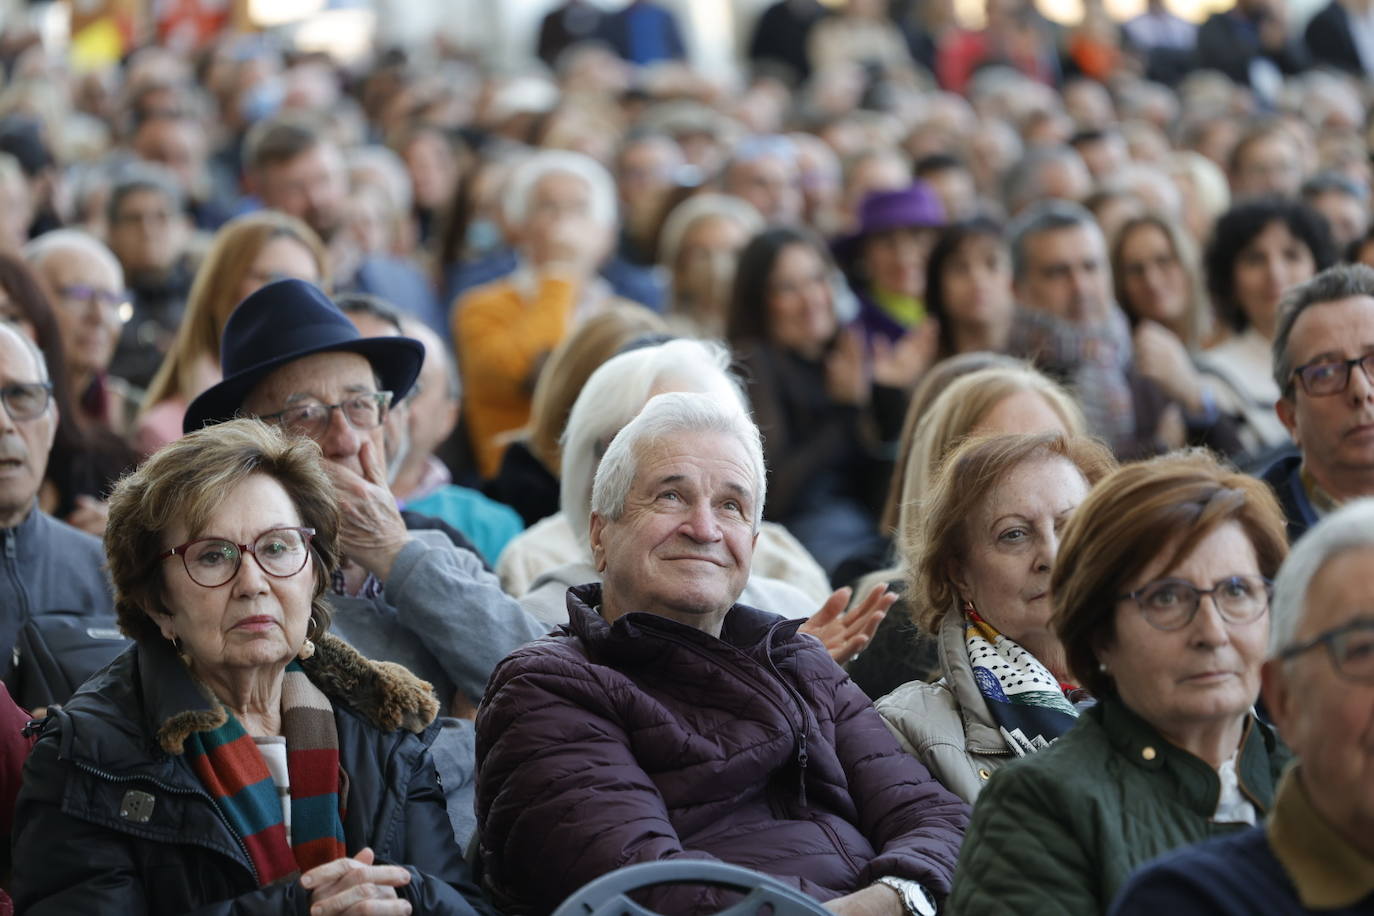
[[1326, 870], [502, 336]]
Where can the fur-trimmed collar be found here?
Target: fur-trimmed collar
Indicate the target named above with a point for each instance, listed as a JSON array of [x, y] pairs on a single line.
[[385, 694]]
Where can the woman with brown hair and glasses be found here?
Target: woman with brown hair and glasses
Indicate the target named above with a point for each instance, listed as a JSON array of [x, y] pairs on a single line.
[[237, 758], [1161, 602]]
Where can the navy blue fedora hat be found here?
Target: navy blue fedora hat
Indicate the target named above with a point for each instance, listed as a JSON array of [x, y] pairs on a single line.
[[283, 322]]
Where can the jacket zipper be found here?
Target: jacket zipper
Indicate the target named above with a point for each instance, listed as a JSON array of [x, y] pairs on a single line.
[[11, 567], [801, 710], [175, 791], [798, 733]]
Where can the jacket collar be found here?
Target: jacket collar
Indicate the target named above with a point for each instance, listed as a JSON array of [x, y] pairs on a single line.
[[388, 696], [981, 735], [1194, 781], [745, 628]]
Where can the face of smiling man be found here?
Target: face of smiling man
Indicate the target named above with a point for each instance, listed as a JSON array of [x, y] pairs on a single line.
[[682, 546]]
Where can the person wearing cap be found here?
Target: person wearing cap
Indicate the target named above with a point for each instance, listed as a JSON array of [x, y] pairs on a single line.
[[401, 594], [885, 261]]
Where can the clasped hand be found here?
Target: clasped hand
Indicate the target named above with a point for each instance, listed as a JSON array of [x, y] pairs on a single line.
[[356, 887]]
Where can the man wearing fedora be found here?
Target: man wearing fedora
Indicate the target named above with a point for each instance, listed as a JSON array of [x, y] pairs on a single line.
[[403, 594]]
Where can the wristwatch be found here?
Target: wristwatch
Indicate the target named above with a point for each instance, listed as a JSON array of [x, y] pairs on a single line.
[[916, 900]]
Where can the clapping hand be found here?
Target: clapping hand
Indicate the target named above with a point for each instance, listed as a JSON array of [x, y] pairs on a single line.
[[844, 635], [901, 363], [846, 376]]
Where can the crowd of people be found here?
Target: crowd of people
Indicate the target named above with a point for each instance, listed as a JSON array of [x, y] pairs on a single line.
[[444, 485]]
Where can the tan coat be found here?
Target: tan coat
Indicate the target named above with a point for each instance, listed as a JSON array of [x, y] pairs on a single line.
[[946, 724]]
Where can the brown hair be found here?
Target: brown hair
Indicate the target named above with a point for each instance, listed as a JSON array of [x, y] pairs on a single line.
[[185, 482], [215, 294], [1197, 325], [1160, 507], [936, 536], [596, 340]]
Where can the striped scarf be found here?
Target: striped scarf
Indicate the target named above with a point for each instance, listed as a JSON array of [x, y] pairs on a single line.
[[1025, 700], [232, 770]]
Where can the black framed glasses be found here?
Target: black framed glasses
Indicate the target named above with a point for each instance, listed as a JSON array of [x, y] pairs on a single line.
[[1331, 376], [1350, 647], [26, 400], [310, 417], [213, 561], [1171, 604]]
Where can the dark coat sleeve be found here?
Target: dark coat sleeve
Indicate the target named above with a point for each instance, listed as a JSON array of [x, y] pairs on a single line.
[[1328, 40], [915, 824], [440, 880]]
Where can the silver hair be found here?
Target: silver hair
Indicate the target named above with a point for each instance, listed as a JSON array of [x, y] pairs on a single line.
[[1046, 216], [673, 413], [40, 249], [39, 359], [1349, 528], [1344, 281], [616, 392], [527, 175], [698, 207], [1021, 185]]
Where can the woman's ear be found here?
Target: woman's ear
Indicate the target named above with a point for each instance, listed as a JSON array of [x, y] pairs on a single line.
[[958, 577]]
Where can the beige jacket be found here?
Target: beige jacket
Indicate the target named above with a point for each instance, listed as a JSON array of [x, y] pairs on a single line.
[[947, 725]]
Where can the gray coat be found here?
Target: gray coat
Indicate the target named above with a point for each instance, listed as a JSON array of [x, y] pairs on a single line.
[[47, 565], [947, 725]]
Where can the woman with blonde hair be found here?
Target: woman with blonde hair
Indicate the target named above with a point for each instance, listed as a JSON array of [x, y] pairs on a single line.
[[246, 253], [999, 399]]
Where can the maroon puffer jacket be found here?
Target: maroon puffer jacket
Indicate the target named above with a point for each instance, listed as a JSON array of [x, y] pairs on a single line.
[[610, 744]]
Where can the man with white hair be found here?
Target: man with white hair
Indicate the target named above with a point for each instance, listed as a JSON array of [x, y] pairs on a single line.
[[49, 566], [1316, 853], [667, 721], [85, 284]]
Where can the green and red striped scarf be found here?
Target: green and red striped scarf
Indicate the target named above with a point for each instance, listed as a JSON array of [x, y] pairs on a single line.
[[232, 770]]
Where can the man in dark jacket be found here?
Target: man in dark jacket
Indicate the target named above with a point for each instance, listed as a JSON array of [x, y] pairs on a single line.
[[667, 721], [1251, 44], [1324, 366], [45, 565]]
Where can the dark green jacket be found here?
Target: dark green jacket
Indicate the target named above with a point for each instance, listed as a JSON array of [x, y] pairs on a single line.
[[1060, 831]]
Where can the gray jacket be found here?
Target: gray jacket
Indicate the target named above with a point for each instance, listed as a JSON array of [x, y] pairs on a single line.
[[47, 565], [444, 617], [441, 615], [947, 725]]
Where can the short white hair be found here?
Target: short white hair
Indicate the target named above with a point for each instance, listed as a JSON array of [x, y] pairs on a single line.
[[528, 173], [699, 207], [671, 414], [1349, 528], [616, 392], [39, 360], [40, 249]]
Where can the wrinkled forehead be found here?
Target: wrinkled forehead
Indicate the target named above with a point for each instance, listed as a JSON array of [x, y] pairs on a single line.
[[716, 460], [1341, 591], [323, 376]]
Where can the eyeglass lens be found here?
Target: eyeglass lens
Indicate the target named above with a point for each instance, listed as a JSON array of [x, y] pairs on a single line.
[[212, 562], [1171, 603], [364, 411], [1333, 377], [25, 401]]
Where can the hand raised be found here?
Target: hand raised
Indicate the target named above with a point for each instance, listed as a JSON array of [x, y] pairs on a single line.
[[901, 363], [845, 634]]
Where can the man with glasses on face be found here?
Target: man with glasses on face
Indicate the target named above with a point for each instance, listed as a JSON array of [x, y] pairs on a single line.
[[402, 594], [1324, 366], [1316, 852], [45, 565], [84, 284]]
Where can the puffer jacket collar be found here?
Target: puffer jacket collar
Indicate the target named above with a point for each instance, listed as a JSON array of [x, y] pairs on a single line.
[[176, 704], [752, 631], [981, 735], [1193, 780]]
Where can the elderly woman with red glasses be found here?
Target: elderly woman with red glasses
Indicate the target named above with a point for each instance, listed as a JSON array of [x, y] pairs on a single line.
[[237, 758]]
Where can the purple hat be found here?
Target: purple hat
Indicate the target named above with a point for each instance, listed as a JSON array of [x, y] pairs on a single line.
[[914, 207]]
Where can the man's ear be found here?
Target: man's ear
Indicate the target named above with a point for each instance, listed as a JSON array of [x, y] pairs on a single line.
[[1288, 415], [1276, 693], [598, 524], [56, 419]]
